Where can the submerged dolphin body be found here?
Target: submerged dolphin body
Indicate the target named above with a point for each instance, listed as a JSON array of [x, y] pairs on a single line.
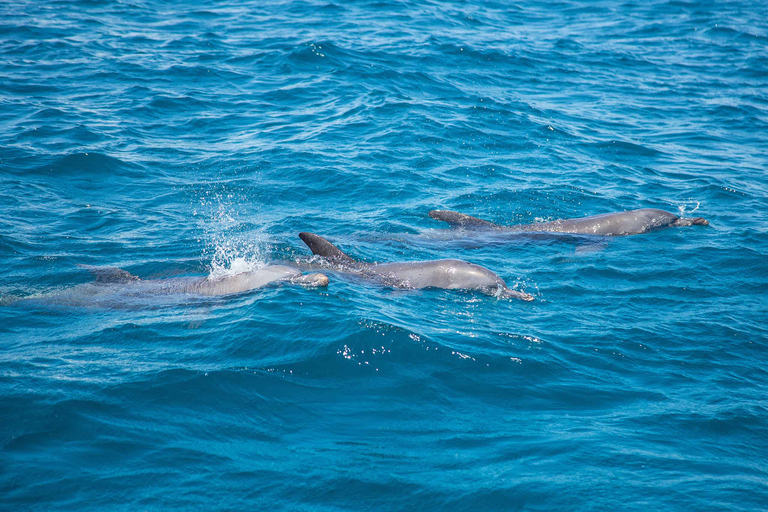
[[447, 274], [113, 286], [632, 222]]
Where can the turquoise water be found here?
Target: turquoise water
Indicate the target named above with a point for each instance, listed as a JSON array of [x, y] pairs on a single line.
[[174, 139]]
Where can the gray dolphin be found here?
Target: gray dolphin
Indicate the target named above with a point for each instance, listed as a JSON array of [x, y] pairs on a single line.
[[447, 274], [632, 222], [113, 286]]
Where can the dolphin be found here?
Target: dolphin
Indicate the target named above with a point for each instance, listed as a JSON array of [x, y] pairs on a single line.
[[448, 274], [113, 286], [631, 222]]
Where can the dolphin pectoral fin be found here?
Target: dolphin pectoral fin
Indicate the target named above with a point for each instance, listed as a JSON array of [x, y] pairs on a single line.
[[456, 219], [110, 274], [313, 280], [322, 247], [693, 221]]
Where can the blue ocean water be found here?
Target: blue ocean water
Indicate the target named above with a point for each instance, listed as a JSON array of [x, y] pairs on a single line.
[[178, 138]]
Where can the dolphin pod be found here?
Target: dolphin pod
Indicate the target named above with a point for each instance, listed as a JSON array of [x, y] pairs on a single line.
[[115, 286], [631, 222], [448, 274]]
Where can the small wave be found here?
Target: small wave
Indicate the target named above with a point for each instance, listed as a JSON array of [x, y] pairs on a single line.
[[163, 102], [50, 112], [79, 163], [623, 148]]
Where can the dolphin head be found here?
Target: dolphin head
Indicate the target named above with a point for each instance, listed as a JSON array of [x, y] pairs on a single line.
[[655, 219], [468, 275], [508, 293], [693, 221], [313, 280]]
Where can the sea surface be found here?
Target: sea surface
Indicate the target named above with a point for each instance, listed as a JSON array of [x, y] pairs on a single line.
[[174, 138]]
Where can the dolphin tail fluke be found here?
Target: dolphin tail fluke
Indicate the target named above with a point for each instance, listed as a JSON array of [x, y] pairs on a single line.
[[322, 247], [456, 219], [110, 274]]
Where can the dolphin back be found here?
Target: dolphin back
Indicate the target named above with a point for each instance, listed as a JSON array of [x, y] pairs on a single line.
[[322, 247], [109, 274], [456, 219]]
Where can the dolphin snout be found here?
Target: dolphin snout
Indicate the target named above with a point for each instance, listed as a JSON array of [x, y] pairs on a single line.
[[692, 221], [314, 280], [319, 280], [518, 295]]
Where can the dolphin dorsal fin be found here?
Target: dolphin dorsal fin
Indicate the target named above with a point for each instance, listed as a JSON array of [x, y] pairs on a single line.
[[456, 219], [110, 274], [322, 247]]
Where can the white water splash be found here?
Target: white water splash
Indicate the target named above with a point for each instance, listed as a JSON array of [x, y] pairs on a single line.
[[682, 207], [226, 266], [232, 244]]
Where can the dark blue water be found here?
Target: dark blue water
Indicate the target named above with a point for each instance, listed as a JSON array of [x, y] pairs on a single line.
[[172, 138]]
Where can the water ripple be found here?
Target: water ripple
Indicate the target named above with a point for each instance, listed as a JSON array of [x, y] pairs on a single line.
[[171, 139]]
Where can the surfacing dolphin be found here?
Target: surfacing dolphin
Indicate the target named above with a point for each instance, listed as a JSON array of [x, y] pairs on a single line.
[[632, 222], [447, 274], [113, 286]]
